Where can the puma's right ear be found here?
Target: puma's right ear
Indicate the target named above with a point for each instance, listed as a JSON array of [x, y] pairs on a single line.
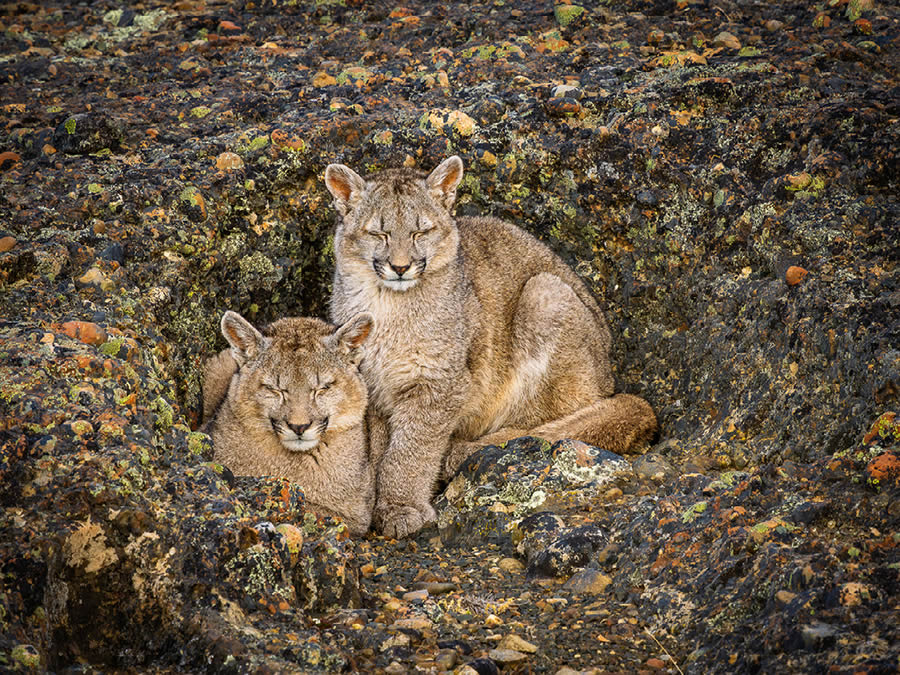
[[350, 337], [345, 185], [246, 342]]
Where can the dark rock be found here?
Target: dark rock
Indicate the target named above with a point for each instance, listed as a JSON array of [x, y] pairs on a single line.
[[87, 133]]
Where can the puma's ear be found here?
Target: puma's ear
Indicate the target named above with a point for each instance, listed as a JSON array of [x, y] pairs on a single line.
[[345, 185], [443, 180], [246, 342], [351, 336]]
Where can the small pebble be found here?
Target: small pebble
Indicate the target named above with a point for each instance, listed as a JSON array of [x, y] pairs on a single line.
[[416, 596], [512, 565], [784, 598], [7, 243], [397, 640], [8, 159], [727, 40], [513, 641], [507, 656], [86, 331], [493, 620], [588, 581], [794, 275], [446, 659], [95, 277], [415, 623], [229, 161], [435, 587]]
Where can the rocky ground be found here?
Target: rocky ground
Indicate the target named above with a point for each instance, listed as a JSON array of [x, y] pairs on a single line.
[[723, 174]]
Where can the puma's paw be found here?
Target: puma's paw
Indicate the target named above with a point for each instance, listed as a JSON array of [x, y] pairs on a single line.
[[401, 520]]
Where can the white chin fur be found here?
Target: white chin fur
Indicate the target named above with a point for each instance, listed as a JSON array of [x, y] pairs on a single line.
[[399, 284], [300, 444]]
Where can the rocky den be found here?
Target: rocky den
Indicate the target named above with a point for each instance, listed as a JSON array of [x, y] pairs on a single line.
[[722, 175]]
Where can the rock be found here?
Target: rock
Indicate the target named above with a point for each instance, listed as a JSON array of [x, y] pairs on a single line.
[[647, 198], [7, 244], [451, 121], [414, 623], [229, 161], [571, 550], [492, 621], [726, 40], [446, 659], [565, 106], [515, 643], [653, 466], [884, 470], [795, 275], [588, 581], [86, 331], [415, 596], [435, 587], [97, 278], [565, 14], [8, 159], [511, 565], [87, 133], [479, 667], [507, 656], [819, 635], [784, 597]]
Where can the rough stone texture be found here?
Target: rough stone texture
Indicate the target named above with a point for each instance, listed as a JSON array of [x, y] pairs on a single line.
[[724, 177]]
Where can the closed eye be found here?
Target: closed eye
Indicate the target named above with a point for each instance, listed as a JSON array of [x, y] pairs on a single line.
[[274, 390], [419, 233], [323, 387]]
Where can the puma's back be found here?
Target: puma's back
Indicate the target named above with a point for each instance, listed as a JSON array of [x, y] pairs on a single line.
[[295, 407]]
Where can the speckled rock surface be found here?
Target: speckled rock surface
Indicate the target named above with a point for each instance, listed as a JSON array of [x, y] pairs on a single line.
[[722, 175]]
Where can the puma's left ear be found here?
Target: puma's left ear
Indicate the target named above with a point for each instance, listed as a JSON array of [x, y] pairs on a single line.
[[246, 342], [345, 185], [442, 182], [351, 336]]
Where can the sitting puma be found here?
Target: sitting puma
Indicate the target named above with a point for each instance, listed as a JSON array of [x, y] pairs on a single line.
[[482, 334], [292, 404]]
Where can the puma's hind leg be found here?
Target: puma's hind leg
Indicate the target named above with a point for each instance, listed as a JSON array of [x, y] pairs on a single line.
[[618, 423]]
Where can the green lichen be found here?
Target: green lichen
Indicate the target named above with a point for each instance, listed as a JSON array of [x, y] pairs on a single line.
[[566, 14], [692, 512], [112, 347], [202, 111], [165, 413], [70, 125], [199, 443], [25, 656]]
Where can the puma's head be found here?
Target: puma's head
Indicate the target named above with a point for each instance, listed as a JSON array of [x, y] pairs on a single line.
[[396, 226], [298, 381]]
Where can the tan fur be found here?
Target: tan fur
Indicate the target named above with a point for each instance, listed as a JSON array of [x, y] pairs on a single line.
[[483, 334], [294, 407]]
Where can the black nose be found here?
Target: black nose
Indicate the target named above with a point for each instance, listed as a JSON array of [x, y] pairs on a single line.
[[400, 269], [298, 428]]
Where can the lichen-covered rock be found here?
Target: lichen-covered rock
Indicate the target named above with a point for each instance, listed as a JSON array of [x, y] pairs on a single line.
[[724, 179], [497, 487]]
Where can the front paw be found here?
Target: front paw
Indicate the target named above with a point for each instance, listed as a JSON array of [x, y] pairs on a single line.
[[401, 520]]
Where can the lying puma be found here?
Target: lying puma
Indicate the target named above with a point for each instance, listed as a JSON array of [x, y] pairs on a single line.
[[482, 334], [292, 404]]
